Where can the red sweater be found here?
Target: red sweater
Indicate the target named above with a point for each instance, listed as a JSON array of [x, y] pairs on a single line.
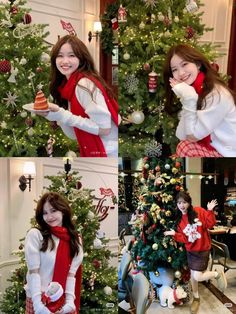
[[196, 236]]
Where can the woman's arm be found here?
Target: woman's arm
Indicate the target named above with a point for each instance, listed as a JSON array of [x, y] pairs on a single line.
[[200, 123], [32, 256], [70, 284]]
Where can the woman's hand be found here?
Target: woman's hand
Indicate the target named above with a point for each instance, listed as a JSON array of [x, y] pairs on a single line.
[[173, 82], [212, 204], [169, 233], [104, 131], [51, 107]]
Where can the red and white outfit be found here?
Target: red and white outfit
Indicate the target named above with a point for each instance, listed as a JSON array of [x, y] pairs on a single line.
[[90, 108], [196, 236], [48, 262], [215, 125]]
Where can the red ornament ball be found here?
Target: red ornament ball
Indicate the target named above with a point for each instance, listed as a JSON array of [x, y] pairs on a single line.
[[14, 10], [177, 164], [177, 188], [138, 258], [78, 185], [28, 121], [96, 263], [146, 66], [39, 69], [189, 32], [5, 66], [215, 66], [27, 18]]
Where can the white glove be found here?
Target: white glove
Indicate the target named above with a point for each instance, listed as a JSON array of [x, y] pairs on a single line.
[[70, 295], [34, 283]]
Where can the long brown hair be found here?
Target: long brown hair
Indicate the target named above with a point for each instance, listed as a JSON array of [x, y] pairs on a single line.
[[191, 212], [192, 55], [59, 203], [86, 65]]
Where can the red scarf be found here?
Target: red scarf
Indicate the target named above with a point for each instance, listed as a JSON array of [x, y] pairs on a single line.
[[198, 86], [90, 145], [63, 263]]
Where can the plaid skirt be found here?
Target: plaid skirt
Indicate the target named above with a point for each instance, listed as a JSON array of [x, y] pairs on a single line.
[[194, 149], [30, 310], [198, 260]]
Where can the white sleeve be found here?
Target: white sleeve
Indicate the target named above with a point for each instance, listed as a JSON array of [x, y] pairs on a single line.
[[65, 117], [180, 131], [77, 261], [201, 123], [93, 102], [33, 243]]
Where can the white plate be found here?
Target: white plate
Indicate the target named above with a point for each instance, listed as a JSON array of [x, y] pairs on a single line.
[[30, 107]]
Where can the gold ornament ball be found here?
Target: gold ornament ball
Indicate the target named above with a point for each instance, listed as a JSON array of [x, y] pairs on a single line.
[[178, 274]]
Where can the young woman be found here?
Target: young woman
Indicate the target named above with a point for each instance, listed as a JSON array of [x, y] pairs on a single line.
[[92, 112], [53, 253], [207, 126], [192, 230]]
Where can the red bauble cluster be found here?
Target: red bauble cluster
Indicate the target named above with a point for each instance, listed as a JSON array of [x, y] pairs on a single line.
[[14, 10], [27, 18]]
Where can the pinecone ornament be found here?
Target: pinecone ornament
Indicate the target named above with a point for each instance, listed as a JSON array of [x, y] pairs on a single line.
[[5, 66]]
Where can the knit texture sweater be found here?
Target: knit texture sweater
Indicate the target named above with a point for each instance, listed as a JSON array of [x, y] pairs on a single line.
[[196, 236]]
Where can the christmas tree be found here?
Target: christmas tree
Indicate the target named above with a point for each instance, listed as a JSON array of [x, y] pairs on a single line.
[[147, 29], [99, 279], [152, 251], [24, 69]]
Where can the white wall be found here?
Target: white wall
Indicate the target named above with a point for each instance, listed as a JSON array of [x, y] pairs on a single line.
[[17, 207], [80, 13], [217, 15]]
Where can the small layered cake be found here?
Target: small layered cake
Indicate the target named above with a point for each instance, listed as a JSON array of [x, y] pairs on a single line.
[[40, 102]]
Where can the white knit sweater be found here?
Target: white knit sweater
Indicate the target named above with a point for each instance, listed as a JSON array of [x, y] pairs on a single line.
[[218, 118], [44, 261], [99, 117]]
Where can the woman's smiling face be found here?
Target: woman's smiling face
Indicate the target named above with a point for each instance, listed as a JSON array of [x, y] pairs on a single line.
[[183, 71]]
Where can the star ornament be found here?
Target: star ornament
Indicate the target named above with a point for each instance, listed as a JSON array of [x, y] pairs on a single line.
[[150, 3], [11, 99]]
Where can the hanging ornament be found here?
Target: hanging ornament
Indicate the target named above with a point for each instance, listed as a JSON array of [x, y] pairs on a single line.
[[96, 263], [92, 280], [126, 56], [45, 57], [29, 121], [176, 19], [14, 10], [146, 66], [131, 84], [137, 117], [152, 82], [27, 18], [49, 149], [153, 149], [78, 185], [39, 70], [166, 21], [226, 177], [23, 114], [189, 32], [11, 99], [107, 290], [122, 14], [5, 66], [114, 24], [142, 25], [12, 77], [150, 3], [178, 274], [215, 66], [23, 61], [160, 17], [167, 166], [155, 246], [191, 6], [31, 132]]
